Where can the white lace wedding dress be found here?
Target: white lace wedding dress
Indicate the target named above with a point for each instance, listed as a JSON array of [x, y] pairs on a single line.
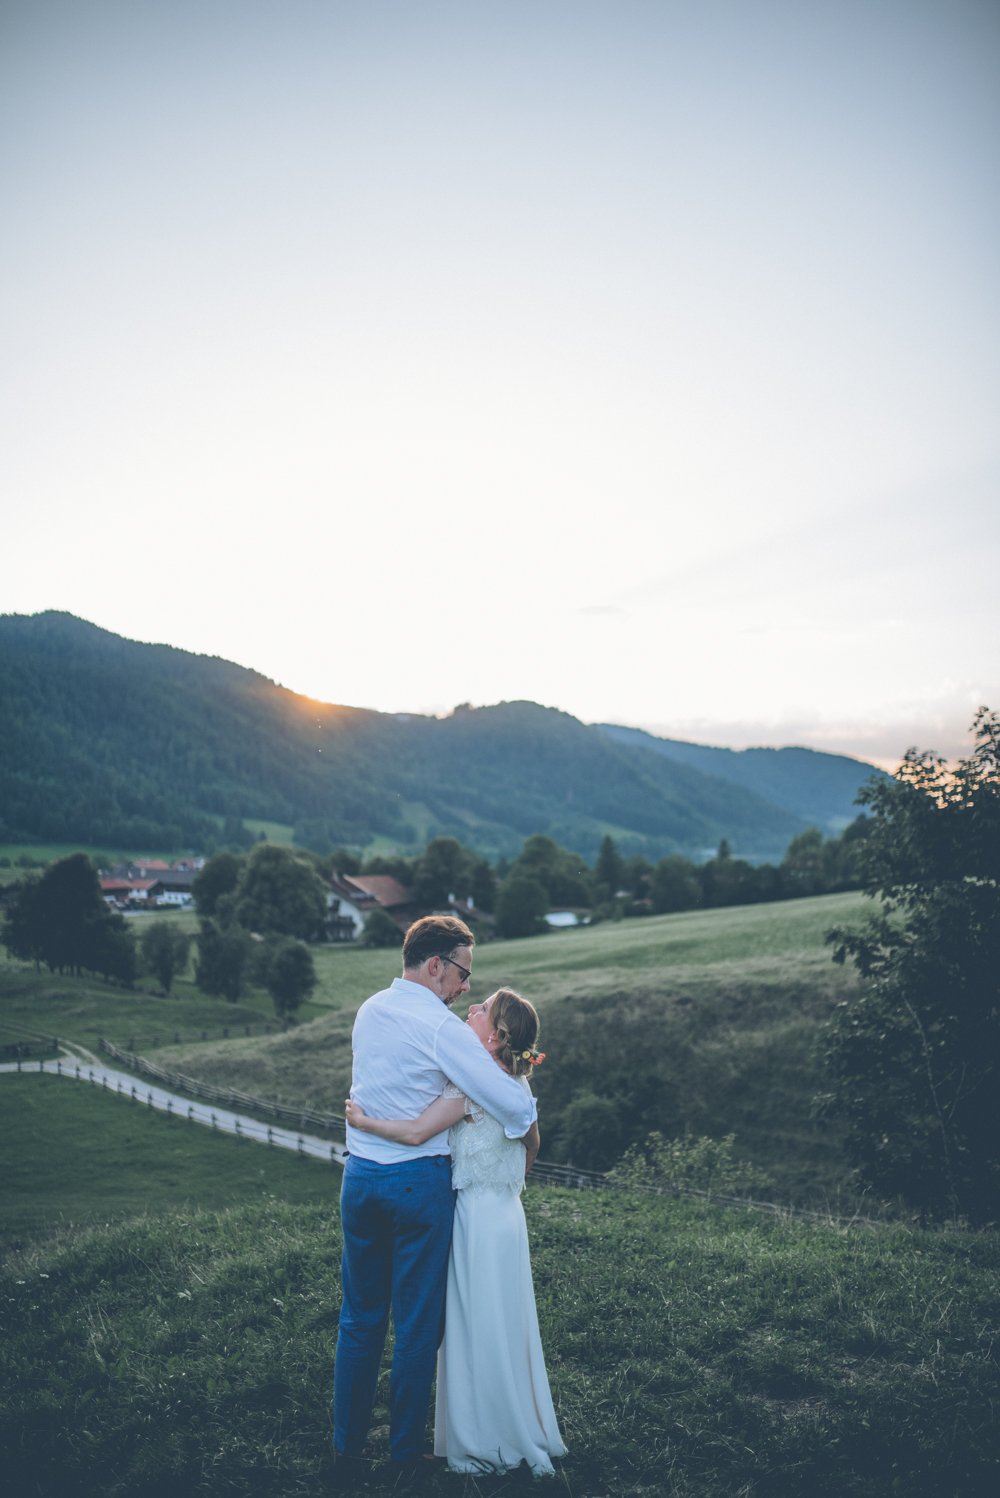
[[494, 1409]]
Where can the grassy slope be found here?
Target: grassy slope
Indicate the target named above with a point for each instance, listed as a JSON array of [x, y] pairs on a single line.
[[737, 995], [77, 1156], [692, 1351], [714, 1013]]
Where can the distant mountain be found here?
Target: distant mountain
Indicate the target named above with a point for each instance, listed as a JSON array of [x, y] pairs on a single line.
[[105, 740], [820, 788]]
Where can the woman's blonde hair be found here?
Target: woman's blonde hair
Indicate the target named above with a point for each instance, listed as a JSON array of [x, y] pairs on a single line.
[[516, 1024]]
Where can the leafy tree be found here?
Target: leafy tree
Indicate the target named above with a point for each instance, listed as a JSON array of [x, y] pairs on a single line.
[[164, 952], [380, 930], [444, 868], [803, 866], [521, 905], [674, 885], [564, 876], [912, 1062], [219, 876], [223, 963], [726, 880], [112, 952], [484, 885], [280, 892], [62, 920], [24, 926], [287, 971]]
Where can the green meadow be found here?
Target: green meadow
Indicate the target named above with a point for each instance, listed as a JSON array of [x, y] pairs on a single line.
[[705, 1022], [159, 1341], [171, 1295]]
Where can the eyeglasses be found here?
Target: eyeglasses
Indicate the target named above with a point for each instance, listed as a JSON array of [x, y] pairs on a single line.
[[465, 971]]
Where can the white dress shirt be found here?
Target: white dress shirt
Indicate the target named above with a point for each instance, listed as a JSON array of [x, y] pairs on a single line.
[[407, 1045]]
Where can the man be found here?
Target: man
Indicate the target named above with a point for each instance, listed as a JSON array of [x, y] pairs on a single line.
[[397, 1203]]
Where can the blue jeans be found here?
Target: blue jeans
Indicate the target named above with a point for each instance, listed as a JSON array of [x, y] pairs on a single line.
[[397, 1234]]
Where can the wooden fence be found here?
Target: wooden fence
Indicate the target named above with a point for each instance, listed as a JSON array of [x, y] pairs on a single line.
[[225, 1097]]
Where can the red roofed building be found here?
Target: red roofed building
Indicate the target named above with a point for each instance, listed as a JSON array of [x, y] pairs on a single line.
[[353, 897]]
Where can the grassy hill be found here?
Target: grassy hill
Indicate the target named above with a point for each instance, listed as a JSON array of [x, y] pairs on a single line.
[[181, 1348], [704, 1022], [106, 741]]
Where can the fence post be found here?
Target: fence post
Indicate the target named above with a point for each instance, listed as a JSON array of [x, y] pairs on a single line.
[[149, 1097], [19, 1063], [302, 1145], [190, 1112], [41, 1066], [215, 1122], [170, 1105], [270, 1134]]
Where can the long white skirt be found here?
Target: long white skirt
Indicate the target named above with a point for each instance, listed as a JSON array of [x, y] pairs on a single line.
[[494, 1409]]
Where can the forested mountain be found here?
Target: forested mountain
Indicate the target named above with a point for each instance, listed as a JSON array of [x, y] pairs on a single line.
[[808, 783], [104, 740]]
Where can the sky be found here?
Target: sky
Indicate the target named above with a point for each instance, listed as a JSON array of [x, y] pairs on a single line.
[[635, 357]]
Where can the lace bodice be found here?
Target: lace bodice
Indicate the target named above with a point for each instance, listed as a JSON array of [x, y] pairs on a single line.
[[482, 1157]]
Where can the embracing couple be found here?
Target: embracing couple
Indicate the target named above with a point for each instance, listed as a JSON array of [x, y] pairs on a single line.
[[441, 1127]]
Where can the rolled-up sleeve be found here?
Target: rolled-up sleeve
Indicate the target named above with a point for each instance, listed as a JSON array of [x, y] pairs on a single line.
[[465, 1061]]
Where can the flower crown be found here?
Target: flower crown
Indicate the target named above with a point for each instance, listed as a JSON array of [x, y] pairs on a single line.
[[535, 1057]]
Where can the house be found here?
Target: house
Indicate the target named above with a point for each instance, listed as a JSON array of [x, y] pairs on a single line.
[[560, 920], [172, 888], [353, 897], [121, 892]]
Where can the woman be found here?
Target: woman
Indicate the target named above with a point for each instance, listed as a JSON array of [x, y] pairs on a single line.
[[494, 1408]]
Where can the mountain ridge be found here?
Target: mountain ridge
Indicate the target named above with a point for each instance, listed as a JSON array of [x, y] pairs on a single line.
[[103, 738]]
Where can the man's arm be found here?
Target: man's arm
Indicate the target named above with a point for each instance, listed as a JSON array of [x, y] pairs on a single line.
[[532, 1143], [437, 1116], [470, 1066]]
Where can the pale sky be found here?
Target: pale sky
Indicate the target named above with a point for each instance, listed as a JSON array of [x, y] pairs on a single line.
[[636, 357]]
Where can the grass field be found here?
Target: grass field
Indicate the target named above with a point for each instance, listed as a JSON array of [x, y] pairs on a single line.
[[716, 1014], [171, 1295], [73, 1155], [705, 1022], [693, 1352]]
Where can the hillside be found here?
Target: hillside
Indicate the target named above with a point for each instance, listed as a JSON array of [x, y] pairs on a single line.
[[693, 1350], [805, 782], [705, 1022], [105, 740]]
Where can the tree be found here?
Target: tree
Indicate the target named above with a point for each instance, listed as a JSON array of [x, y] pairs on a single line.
[[911, 1063], [223, 960], [287, 971], [220, 876], [23, 930], [444, 868], [803, 866], [564, 876], [380, 930], [674, 885], [281, 893], [62, 920], [521, 905], [164, 952], [609, 870]]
